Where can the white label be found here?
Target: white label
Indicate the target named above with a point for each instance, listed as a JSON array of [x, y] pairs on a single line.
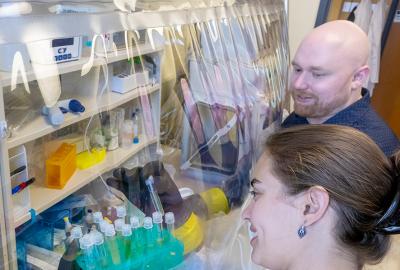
[[397, 16]]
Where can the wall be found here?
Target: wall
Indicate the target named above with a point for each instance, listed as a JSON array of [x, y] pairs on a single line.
[[302, 15]]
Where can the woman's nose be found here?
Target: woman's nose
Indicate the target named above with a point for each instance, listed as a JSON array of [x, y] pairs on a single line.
[[247, 211]]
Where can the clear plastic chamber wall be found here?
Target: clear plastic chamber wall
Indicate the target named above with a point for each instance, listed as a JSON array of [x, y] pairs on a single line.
[[120, 113]]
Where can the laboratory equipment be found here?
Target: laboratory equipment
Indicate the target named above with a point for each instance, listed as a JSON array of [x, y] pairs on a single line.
[[88, 255], [155, 199], [158, 227], [112, 244], [60, 166]]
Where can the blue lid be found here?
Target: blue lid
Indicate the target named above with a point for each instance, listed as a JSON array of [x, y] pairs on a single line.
[[75, 106]]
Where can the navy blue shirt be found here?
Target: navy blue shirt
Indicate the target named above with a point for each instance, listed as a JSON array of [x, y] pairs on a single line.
[[359, 115]]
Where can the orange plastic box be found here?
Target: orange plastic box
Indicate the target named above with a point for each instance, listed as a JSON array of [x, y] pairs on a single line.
[[60, 166]]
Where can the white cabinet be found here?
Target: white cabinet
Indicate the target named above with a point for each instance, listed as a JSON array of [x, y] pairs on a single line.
[[31, 138]]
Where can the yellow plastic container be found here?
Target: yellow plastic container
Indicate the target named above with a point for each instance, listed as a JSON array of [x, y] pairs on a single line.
[[60, 166], [88, 159], [191, 234]]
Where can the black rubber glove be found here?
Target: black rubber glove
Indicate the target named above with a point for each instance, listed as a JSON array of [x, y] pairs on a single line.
[[132, 184]]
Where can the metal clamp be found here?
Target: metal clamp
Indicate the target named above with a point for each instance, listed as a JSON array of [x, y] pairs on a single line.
[[3, 130]]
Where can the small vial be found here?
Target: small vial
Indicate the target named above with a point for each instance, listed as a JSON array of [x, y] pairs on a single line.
[[170, 221], [86, 245], [100, 251], [97, 217], [118, 223], [148, 232], [68, 226], [157, 220], [112, 245], [137, 244], [121, 212], [125, 248], [89, 219], [135, 223]]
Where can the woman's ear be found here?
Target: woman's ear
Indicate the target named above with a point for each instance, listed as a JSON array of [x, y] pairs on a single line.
[[315, 204], [360, 77]]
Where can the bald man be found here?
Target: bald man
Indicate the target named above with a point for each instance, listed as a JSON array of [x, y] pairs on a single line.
[[329, 69]]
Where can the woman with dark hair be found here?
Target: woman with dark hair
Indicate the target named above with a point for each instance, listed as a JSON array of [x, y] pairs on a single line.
[[324, 197]]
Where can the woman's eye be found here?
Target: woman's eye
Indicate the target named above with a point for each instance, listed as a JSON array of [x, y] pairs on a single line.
[[254, 193]]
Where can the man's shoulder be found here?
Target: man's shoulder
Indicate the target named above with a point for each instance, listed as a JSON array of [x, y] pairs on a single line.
[[293, 120], [375, 127]]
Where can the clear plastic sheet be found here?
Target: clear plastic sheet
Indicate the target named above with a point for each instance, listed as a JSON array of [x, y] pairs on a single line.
[[165, 114]]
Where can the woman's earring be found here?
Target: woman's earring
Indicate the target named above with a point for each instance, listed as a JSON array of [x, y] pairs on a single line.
[[302, 231]]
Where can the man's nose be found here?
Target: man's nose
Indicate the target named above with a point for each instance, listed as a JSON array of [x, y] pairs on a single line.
[[299, 81]]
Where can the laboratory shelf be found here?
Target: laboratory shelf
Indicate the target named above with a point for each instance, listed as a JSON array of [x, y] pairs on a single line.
[[42, 198], [67, 67], [39, 126]]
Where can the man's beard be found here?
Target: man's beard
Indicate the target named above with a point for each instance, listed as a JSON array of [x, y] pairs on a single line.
[[316, 108]]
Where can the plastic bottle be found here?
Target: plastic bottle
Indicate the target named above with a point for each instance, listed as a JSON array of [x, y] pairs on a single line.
[[170, 221], [125, 242], [138, 118], [97, 217], [103, 226], [127, 133], [112, 245], [149, 233], [100, 251], [137, 245], [68, 226], [121, 212], [89, 219], [158, 228], [72, 247], [119, 223], [135, 128], [86, 245]]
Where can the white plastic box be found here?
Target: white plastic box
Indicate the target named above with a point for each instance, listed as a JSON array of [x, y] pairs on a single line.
[[123, 83]]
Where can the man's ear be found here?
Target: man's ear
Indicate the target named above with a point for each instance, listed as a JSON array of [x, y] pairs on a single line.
[[360, 77], [315, 204]]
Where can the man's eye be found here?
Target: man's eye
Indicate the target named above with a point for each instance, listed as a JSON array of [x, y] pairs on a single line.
[[297, 70], [318, 75]]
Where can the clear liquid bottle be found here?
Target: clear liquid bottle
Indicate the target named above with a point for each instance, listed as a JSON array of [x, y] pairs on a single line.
[[119, 223], [170, 221], [125, 242], [112, 245], [158, 227], [72, 244], [86, 245], [149, 235], [121, 212], [137, 245], [100, 250]]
